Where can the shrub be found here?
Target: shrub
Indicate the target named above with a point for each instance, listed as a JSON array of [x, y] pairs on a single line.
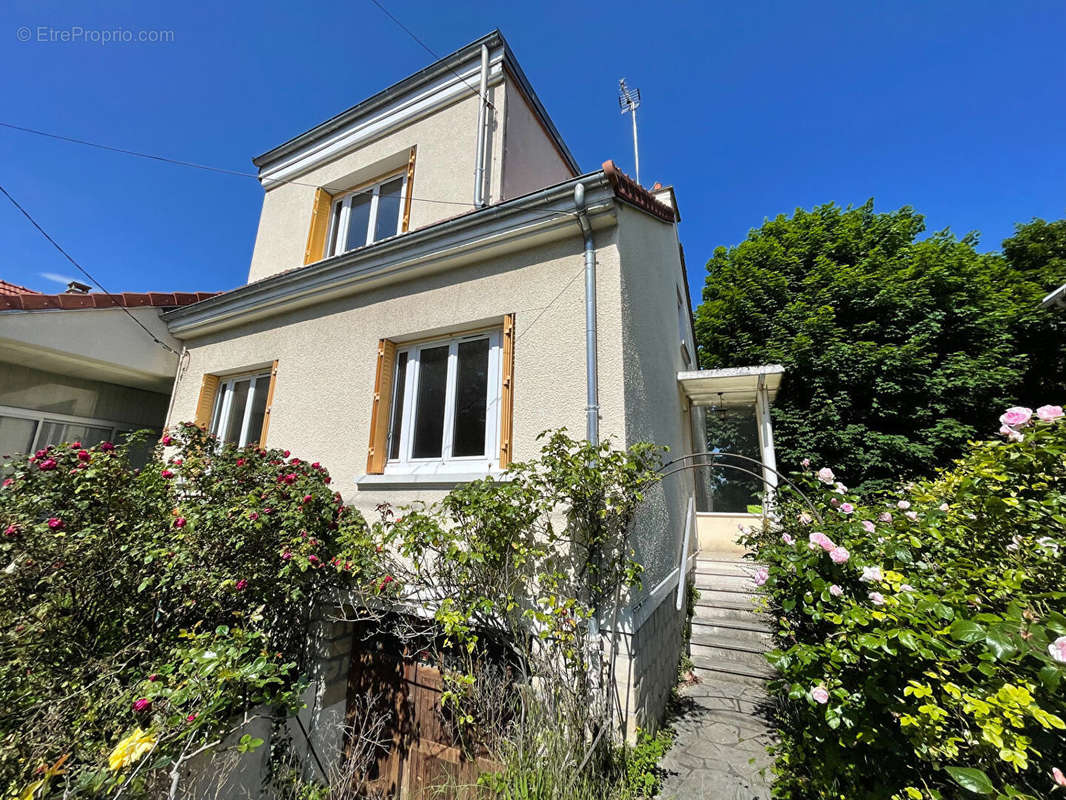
[[148, 614], [921, 641]]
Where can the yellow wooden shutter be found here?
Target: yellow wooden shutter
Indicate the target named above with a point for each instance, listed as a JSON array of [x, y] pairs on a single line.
[[507, 394], [269, 403], [205, 405], [410, 192], [377, 453], [316, 237]]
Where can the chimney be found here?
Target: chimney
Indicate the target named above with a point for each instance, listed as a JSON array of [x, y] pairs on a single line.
[[77, 287]]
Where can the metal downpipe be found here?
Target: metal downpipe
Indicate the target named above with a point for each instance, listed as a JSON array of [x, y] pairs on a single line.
[[592, 384]]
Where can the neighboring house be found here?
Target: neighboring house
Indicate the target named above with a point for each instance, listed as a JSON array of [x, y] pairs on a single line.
[[76, 367], [417, 313]]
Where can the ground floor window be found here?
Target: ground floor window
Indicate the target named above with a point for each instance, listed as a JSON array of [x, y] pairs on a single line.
[[445, 402], [240, 408], [26, 431]]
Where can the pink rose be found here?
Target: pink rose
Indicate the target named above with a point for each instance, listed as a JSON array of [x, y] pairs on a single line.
[[1014, 436], [1058, 777], [805, 463], [285, 453], [826, 476], [1057, 649], [307, 498], [142, 705], [943, 506], [75, 445], [868, 526], [877, 598], [911, 515], [884, 516], [241, 585], [1016, 417], [286, 556], [787, 539], [8, 482], [83, 455], [167, 473], [1049, 413], [153, 677], [240, 462], [191, 718], [835, 590], [253, 516], [166, 440], [847, 508], [820, 695], [816, 540], [834, 502], [762, 574], [805, 518], [903, 504], [1005, 431], [47, 464], [179, 522], [55, 523], [313, 559], [839, 555]]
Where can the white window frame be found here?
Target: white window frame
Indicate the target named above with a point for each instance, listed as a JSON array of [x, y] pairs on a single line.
[[41, 417], [257, 381], [340, 209], [447, 463]]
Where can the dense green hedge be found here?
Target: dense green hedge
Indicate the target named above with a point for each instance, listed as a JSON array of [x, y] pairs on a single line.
[[921, 640]]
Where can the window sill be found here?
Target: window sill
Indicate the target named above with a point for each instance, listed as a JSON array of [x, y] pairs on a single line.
[[443, 480]]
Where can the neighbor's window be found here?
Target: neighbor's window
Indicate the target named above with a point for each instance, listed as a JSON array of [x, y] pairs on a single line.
[[367, 215], [445, 403], [240, 407]]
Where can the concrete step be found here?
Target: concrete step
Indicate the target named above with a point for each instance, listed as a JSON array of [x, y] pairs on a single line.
[[710, 635], [732, 650], [726, 598], [733, 583], [707, 566], [711, 670]]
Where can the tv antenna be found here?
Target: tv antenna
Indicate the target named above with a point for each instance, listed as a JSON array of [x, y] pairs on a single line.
[[628, 100]]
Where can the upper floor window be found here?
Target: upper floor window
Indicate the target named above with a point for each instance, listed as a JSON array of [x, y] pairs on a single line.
[[367, 215], [240, 408], [682, 327], [446, 404]]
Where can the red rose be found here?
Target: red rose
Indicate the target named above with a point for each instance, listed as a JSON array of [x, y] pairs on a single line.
[[240, 462], [166, 440], [179, 522], [83, 455], [167, 473], [106, 446], [55, 523], [47, 464], [143, 705]]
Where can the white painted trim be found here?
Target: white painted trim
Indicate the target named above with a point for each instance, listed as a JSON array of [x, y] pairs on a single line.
[[506, 227], [729, 514], [425, 481], [400, 113]]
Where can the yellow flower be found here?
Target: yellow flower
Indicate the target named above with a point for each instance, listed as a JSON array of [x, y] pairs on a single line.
[[130, 749]]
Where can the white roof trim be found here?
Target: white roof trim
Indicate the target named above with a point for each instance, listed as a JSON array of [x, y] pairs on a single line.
[[1055, 299], [732, 386]]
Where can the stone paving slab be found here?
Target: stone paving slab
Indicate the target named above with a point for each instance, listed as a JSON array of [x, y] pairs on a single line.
[[719, 752]]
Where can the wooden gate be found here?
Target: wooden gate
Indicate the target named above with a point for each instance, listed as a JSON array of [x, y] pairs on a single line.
[[421, 757]]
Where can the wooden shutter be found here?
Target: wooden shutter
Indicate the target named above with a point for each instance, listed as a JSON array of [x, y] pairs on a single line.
[[269, 403], [316, 237], [410, 192], [507, 394], [205, 405], [377, 453]]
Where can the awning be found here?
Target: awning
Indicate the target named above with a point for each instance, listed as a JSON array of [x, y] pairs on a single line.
[[730, 387]]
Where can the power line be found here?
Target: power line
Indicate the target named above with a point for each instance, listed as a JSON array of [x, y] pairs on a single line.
[[82, 269], [191, 164], [431, 51]]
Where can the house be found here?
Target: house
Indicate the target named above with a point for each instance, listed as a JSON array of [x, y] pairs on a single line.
[[83, 366], [434, 283]]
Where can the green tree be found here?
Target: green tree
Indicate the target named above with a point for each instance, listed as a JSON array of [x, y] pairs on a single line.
[[897, 349]]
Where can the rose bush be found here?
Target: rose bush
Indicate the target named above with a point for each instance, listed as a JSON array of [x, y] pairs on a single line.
[[146, 614], [926, 658]]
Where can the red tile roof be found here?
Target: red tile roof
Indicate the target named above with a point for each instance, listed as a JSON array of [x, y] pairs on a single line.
[[625, 188], [9, 289], [34, 301]]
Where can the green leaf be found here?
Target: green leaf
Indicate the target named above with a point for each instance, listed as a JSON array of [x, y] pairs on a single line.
[[964, 630], [971, 779]]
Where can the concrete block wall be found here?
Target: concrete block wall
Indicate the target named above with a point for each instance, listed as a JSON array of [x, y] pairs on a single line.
[[646, 667]]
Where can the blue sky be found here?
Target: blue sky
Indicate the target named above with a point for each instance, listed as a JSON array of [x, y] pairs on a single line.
[[750, 109]]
